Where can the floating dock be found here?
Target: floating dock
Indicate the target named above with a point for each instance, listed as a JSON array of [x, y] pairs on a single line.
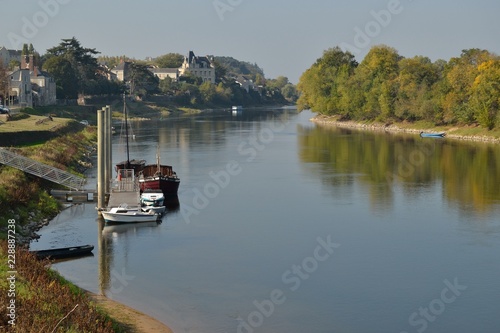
[[124, 190]]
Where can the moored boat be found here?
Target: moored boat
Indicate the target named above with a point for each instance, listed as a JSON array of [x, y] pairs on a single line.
[[64, 252], [129, 215], [159, 177], [432, 135], [154, 199]]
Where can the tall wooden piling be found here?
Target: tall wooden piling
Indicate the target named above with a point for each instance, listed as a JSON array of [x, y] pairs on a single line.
[[101, 163], [109, 157], [106, 147]]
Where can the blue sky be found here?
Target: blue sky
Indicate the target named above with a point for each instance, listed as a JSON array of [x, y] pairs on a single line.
[[283, 37]]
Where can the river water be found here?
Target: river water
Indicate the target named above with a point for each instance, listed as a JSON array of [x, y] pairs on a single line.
[[286, 227]]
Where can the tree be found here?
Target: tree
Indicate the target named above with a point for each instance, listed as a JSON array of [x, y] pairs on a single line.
[[289, 92], [321, 86], [14, 64], [486, 93], [460, 74], [64, 75], [220, 71], [207, 92], [169, 60], [417, 77], [142, 80], [82, 60]]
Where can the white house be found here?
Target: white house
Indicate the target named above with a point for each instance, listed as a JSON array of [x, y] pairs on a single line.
[[43, 87], [121, 70], [163, 73], [245, 82], [6, 55], [20, 88], [198, 66]]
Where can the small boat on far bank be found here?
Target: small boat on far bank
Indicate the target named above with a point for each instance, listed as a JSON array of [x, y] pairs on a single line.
[[432, 135], [64, 252]]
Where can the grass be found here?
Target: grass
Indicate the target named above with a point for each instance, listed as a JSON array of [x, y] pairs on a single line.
[[22, 195], [29, 123], [43, 298]]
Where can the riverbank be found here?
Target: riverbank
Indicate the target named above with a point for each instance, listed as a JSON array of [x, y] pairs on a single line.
[[135, 321], [59, 303], [468, 133]]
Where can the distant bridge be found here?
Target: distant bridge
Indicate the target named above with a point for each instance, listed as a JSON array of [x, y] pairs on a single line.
[[41, 170]]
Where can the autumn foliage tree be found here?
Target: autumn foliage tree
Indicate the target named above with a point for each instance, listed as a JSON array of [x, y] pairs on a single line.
[[388, 87]]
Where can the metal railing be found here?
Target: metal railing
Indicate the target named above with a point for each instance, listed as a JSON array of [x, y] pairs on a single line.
[[41, 170]]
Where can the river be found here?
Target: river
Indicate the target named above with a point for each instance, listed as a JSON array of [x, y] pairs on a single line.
[[286, 227]]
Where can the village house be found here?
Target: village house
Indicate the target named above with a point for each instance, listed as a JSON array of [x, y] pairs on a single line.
[[245, 82], [6, 55], [29, 86], [43, 85], [163, 73], [121, 70], [20, 88], [198, 66]]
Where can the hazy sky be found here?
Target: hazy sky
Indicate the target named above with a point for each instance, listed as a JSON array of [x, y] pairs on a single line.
[[282, 37]]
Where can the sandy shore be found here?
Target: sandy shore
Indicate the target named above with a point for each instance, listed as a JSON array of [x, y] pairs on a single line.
[[135, 321], [333, 121]]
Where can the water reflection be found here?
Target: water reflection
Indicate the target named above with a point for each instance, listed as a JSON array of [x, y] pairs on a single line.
[[467, 172], [108, 234]]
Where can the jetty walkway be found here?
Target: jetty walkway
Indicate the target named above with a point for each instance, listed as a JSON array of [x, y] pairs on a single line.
[[41, 170]]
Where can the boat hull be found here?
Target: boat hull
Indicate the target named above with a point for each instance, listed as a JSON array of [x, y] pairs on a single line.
[[64, 252], [432, 135], [169, 186], [129, 216]]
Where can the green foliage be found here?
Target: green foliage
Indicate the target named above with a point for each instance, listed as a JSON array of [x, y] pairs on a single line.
[[142, 81], [322, 85], [76, 70], [385, 87], [64, 75], [235, 67], [169, 60]]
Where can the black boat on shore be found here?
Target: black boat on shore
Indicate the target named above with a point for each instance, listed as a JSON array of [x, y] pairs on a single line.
[[64, 252]]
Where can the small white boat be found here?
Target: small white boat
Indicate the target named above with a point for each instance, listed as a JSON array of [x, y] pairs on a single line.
[[154, 199], [129, 215]]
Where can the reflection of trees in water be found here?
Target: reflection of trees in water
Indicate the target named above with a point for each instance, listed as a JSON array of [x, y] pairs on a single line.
[[467, 171]]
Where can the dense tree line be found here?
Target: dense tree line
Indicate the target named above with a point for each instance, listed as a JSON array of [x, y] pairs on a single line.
[[388, 87]]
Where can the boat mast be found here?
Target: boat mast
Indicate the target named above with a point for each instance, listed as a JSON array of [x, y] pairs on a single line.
[[158, 158], [126, 130]]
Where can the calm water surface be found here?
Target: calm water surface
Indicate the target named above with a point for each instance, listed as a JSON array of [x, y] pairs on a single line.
[[287, 227]]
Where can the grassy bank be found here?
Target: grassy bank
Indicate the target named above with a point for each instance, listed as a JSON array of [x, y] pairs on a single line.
[[464, 132], [26, 198], [46, 302]]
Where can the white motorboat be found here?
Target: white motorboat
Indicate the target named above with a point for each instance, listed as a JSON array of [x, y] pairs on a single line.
[[155, 199], [129, 215]]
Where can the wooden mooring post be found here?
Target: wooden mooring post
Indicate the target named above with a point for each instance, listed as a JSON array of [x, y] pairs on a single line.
[[104, 156]]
